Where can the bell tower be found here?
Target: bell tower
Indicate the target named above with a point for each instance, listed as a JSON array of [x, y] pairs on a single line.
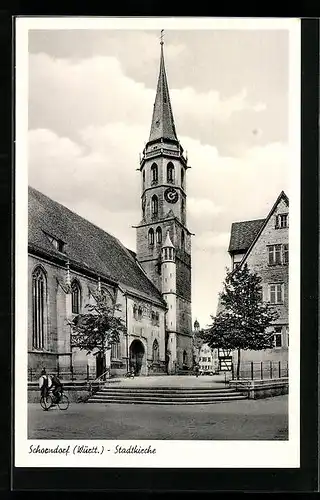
[[163, 169]]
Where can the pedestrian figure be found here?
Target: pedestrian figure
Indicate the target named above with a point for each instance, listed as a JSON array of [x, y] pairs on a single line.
[[197, 370], [44, 383]]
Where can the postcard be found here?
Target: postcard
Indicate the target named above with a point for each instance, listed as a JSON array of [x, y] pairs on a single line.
[[156, 160]]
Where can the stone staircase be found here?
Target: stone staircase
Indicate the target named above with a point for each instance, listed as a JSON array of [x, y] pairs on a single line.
[[165, 395]]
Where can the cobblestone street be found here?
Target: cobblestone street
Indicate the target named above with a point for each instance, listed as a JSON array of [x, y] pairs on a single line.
[[265, 419]]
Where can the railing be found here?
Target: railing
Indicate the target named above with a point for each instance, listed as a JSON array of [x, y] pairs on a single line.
[[155, 152], [97, 379], [261, 370], [72, 374]]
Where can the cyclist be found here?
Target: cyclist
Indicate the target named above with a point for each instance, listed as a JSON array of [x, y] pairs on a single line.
[[57, 388], [44, 383]]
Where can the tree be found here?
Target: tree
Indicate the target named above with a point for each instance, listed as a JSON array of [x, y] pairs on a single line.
[[244, 318], [97, 329]]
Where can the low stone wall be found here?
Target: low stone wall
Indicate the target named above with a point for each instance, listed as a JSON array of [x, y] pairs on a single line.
[[258, 389]]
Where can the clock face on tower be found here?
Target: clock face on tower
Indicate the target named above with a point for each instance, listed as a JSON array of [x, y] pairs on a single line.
[[171, 195]]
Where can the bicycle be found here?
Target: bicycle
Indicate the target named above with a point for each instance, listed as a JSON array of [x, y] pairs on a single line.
[[50, 400]]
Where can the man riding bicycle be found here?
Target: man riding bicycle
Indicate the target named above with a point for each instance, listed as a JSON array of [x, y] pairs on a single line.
[[50, 383], [57, 388]]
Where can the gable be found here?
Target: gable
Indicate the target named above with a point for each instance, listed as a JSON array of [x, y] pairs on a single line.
[[269, 234]]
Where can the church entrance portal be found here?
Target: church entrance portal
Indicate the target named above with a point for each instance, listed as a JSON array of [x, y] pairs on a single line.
[[136, 356], [100, 364]]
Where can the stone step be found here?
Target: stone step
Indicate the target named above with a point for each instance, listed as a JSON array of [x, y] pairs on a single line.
[[154, 397], [137, 394], [156, 401], [186, 390]]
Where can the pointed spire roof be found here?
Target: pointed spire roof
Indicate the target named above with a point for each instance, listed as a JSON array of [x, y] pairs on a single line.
[[162, 125], [168, 242]]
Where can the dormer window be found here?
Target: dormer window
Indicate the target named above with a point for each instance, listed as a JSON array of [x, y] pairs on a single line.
[[56, 242], [282, 221]]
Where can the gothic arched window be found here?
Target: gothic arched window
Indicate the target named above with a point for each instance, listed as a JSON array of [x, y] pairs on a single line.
[[135, 311], [182, 177], [154, 173], [154, 206], [107, 297], [151, 237], [183, 214], [185, 357], [143, 178], [155, 351], [116, 350], [182, 240], [75, 297], [39, 296], [159, 235], [139, 312], [170, 172], [143, 207]]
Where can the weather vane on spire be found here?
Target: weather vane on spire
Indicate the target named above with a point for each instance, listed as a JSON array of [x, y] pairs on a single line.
[[161, 37]]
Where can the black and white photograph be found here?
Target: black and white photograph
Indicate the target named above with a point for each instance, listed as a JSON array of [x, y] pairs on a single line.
[[156, 161]]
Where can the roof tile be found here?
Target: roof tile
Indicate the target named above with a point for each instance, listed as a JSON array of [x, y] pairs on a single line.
[[243, 233]]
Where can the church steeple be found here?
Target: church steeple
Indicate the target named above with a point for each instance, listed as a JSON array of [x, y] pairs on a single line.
[[163, 239], [162, 125]]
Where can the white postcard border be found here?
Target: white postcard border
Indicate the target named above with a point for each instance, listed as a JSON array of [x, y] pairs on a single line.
[[195, 454]]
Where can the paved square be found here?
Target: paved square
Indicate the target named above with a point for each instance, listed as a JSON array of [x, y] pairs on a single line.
[[265, 419]]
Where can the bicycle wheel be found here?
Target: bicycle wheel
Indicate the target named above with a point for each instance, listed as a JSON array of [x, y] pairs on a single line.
[[46, 402], [64, 402]]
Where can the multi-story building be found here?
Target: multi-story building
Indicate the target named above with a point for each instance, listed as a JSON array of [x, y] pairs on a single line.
[[205, 357], [264, 245], [208, 360]]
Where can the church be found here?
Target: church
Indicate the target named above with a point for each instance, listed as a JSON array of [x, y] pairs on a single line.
[[70, 260]]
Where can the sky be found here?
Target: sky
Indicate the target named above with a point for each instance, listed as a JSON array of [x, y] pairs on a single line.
[[91, 95]]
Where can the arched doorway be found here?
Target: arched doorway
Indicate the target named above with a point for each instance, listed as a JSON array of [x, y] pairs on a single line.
[[136, 354], [185, 360], [100, 364]]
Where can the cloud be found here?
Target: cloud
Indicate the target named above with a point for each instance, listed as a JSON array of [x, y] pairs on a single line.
[[261, 106], [83, 44], [96, 91], [103, 170], [213, 241], [199, 207]]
